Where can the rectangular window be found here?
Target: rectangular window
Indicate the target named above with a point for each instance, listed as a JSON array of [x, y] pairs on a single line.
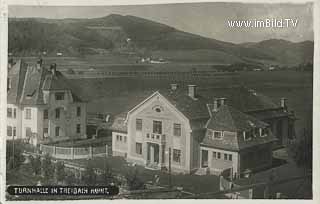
[[257, 132], [28, 113], [139, 124], [247, 135], [264, 132], [157, 127], [214, 155], [57, 133], [219, 155], [14, 131], [78, 111], [176, 129], [230, 157], [78, 128], [14, 113], [138, 148], [59, 96], [177, 155], [124, 139], [217, 135], [225, 156], [118, 137], [57, 113], [45, 114], [9, 131], [45, 132], [9, 112]]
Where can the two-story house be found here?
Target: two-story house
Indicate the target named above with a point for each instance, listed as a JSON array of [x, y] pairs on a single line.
[[42, 105], [193, 132]]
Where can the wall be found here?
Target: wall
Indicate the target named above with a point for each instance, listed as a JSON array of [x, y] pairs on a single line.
[[15, 122], [218, 165], [168, 116], [119, 147]]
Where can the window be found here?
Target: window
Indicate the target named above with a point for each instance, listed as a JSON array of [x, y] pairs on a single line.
[[217, 135], [176, 129], [219, 155], [57, 131], [45, 132], [139, 124], [247, 135], [225, 156], [214, 155], [78, 111], [230, 157], [263, 132], [9, 131], [45, 114], [57, 113], [9, 112], [177, 155], [138, 148], [118, 136], [59, 96], [157, 127], [28, 113], [14, 113], [256, 132], [124, 139], [78, 128], [14, 131]]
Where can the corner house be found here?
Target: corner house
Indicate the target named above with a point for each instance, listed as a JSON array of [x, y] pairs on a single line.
[[233, 128]]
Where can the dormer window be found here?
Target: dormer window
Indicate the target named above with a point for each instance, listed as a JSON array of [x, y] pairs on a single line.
[[217, 135], [59, 96], [247, 135], [263, 132]]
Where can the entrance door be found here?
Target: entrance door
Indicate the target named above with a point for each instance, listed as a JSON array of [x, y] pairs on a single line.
[[204, 158], [153, 153]]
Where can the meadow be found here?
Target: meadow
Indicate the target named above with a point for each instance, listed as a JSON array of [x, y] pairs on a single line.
[[111, 95]]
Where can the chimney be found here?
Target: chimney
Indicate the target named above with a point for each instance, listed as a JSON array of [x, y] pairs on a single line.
[[174, 86], [53, 68], [283, 102], [39, 64], [192, 91], [223, 101], [215, 105]]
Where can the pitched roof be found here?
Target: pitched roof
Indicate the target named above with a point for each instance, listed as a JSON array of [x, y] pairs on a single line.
[[17, 75], [119, 124], [240, 97], [28, 83], [230, 119]]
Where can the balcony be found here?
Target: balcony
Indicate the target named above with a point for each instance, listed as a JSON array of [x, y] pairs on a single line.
[[157, 138]]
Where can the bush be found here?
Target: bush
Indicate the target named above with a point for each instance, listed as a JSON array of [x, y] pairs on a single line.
[[60, 171], [14, 154], [133, 180], [89, 175], [47, 168], [35, 164]]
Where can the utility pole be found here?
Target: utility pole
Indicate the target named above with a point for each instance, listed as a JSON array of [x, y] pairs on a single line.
[[170, 180], [13, 151]]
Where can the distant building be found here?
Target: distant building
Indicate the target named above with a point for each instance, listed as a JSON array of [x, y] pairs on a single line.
[[204, 133], [42, 106]]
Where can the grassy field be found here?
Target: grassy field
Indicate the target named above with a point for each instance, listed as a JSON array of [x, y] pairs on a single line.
[[111, 95]]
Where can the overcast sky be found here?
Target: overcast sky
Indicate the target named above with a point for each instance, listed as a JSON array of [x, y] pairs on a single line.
[[206, 19]]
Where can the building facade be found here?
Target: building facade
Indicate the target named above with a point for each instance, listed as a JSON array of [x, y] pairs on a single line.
[[42, 106], [181, 129]]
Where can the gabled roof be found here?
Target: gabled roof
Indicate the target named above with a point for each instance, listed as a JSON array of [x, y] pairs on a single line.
[[27, 83], [17, 75], [230, 119]]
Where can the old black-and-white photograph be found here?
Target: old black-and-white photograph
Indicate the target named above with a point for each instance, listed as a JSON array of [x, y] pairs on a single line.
[[161, 101]]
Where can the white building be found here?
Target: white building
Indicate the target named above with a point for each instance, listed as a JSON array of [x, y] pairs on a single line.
[[42, 106]]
